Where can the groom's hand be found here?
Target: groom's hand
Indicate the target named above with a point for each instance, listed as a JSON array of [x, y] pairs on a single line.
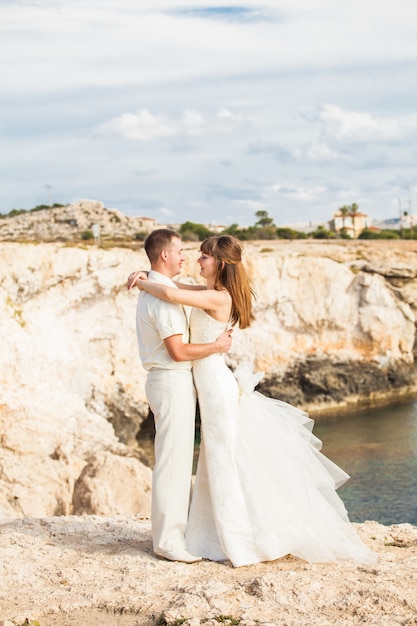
[[225, 340], [134, 276]]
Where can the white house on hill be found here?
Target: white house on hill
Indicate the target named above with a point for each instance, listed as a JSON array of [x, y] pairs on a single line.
[[354, 224]]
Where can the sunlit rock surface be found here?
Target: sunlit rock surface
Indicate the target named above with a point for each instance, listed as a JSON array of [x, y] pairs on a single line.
[[101, 570], [335, 326]]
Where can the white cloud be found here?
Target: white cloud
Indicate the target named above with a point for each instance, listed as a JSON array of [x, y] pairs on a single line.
[[76, 44], [316, 151], [164, 212], [250, 205], [142, 125], [346, 136], [224, 114], [294, 192], [198, 110], [193, 122], [146, 126], [357, 126]]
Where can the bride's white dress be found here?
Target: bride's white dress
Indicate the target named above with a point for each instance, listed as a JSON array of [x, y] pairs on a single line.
[[263, 489]]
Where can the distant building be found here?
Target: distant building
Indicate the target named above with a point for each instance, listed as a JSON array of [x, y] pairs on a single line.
[[396, 223], [353, 224], [408, 220], [146, 224], [216, 228]]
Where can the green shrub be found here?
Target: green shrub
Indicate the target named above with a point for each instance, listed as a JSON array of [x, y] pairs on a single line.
[[322, 233], [115, 218], [40, 207], [194, 232], [15, 212], [379, 234], [141, 236], [343, 234], [290, 233]]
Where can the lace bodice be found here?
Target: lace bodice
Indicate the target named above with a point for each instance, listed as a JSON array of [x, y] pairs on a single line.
[[204, 328]]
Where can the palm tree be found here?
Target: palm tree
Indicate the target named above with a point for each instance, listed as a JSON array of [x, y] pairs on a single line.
[[353, 210], [344, 212]]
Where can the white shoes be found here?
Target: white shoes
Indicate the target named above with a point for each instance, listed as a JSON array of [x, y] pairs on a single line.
[[179, 555]]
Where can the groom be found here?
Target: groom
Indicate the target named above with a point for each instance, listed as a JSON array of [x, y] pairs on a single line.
[[163, 335]]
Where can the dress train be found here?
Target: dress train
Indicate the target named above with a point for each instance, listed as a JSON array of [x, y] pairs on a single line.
[[263, 489]]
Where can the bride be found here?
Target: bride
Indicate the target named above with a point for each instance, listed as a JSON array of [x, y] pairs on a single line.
[[263, 489]]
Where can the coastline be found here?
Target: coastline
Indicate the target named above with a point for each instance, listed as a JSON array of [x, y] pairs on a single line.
[[326, 386], [354, 405]]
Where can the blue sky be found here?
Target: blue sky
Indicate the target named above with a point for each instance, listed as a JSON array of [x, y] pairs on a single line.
[[211, 111]]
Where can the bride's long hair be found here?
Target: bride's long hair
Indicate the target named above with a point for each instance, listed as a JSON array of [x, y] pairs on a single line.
[[231, 275]]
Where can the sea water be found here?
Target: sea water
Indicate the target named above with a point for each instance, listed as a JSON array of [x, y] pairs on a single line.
[[378, 449]]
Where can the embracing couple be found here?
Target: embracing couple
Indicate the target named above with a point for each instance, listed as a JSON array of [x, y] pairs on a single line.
[[263, 489]]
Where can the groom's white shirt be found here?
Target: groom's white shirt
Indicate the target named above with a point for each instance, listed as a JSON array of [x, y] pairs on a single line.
[[157, 320]]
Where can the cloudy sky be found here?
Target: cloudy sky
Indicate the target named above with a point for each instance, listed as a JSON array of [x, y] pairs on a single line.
[[210, 111]]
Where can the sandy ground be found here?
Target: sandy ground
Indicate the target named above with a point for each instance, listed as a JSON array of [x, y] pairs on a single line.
[[96, 570]]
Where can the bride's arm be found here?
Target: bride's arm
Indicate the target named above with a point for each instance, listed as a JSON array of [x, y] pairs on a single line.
[[143, 274], [209, 299], [188, 286]]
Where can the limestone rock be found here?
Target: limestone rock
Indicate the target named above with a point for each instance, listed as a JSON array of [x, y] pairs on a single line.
[[68, 223], [37, 477], [316, 307], [113, 485], [73, 387], [101, 570]]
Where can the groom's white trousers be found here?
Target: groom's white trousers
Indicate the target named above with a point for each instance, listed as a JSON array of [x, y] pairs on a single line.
[[172, 399]]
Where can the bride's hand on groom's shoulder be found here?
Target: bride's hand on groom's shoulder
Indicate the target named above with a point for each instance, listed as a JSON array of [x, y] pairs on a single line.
[[134, 277]]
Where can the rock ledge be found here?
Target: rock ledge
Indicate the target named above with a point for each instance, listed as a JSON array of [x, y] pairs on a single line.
[[101, 570]]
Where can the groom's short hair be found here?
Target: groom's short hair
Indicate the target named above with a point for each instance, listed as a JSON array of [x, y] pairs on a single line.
[[159, 240]]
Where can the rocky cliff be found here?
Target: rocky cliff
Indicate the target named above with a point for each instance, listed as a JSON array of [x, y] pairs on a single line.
[[335, 327], [70, 222]]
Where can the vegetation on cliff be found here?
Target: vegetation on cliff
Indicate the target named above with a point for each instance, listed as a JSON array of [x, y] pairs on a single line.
[[76, 222]]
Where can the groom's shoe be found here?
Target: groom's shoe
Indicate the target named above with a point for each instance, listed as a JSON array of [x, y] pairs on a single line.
[[179, 555]]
